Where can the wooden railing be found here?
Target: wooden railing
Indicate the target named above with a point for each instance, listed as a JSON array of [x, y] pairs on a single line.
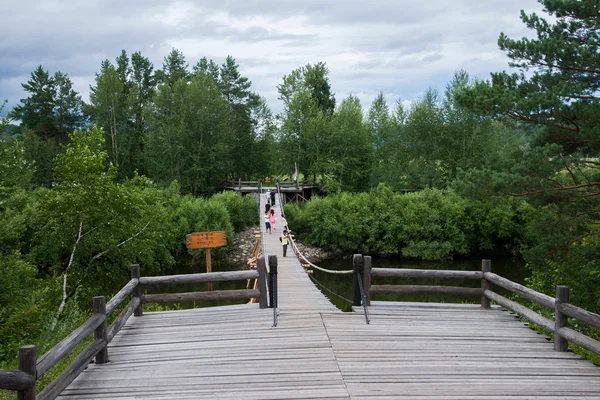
[[238, 183], [31, 368], [560, 305]]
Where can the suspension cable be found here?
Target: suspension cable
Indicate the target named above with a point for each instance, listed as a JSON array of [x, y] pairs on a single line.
[[363, 298], [329, 290]]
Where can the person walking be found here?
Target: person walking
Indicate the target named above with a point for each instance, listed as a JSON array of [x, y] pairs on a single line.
[[268, 196], [267, 223], [272, 219], [284, 224], [284, 242], [273, 198]]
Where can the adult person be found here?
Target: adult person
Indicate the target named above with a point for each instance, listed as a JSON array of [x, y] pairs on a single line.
[[268, 196], [284, 224], [273, 198], [284, 242]]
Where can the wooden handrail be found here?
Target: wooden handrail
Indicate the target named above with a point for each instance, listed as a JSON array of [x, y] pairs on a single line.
[[199, 296], [513, 287], [561, 306], [63, 348], [424, 273], [16, 380], [121, 295], [197, 278]]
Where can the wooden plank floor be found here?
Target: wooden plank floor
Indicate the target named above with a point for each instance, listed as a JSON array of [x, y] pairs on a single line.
[[417, 351], [409, 351]]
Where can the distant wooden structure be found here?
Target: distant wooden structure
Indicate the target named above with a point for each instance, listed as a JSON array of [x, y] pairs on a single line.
[[290, 190]]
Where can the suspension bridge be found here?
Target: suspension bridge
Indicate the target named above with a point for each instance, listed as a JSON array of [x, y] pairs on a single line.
[[303, 347]]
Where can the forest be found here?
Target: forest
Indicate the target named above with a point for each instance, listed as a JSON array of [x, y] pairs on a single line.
[[508, 165]]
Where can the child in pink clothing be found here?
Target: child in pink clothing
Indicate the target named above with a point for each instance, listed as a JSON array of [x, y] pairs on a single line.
[[272, 219]]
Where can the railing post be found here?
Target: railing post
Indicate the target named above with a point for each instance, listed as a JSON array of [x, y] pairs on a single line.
[[273, 280], [563, 295], [240, 183], [99, 307], [260, 187], [357, 262], [486, 266], [367, 279], [137, 292], [261, 267], [27, 364]]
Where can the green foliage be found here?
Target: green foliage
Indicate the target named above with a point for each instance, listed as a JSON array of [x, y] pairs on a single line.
[[53, 108], [242, 210], [556, 168], [187, 138], [431, 224], [87, 230]]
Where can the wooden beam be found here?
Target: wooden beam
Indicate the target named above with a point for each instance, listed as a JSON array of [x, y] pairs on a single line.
[[122, 318], [423, 289], [121, 295], [54, 388], [580, 314], [424, 273], [513, 287], [56, 353], [16, 380], [195, 278], [580, 339], [521, 310], [199, 296]]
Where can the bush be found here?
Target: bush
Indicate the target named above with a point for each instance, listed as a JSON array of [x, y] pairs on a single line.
[[430, 224]]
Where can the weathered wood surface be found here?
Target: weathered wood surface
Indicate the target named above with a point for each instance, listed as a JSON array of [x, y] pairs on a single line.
[[522, 310], [579, 313], [200, 296], [425, 273], [409, 351], [122, 318], [196, 278], [513, 287], [16, 380], [580, 339], [120, 296], [423, 289]]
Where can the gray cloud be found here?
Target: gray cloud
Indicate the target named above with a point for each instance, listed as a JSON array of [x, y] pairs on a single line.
[[398, 46]]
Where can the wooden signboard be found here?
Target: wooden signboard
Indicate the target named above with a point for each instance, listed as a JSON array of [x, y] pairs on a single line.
[[205, 240]]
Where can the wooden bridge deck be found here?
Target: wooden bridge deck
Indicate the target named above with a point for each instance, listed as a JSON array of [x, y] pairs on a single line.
[[409, 351], [296, 291]]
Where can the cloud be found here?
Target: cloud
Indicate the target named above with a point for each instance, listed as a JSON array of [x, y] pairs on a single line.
[[399, 47]]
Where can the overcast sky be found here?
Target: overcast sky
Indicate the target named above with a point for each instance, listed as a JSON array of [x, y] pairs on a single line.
[[400, 47]]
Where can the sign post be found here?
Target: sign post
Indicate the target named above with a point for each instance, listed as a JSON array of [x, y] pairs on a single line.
[[205, 240]]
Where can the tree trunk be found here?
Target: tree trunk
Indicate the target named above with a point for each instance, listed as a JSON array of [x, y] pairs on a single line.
[[65, 276]]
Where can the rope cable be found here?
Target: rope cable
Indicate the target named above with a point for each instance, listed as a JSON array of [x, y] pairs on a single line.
[[329, 290]]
